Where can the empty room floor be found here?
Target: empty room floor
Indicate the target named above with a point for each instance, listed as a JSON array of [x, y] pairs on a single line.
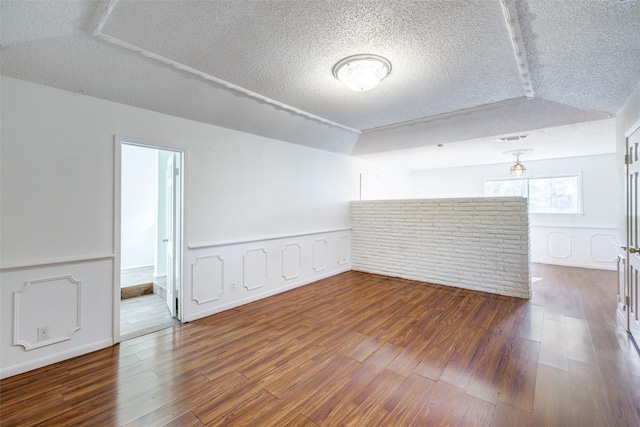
[[361, 349]]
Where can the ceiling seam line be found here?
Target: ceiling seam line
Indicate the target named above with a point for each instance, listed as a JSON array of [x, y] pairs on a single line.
[[223, 83], [517, 43], [100, 17], [445, 116]]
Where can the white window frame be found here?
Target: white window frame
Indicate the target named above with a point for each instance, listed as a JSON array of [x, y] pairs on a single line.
[[580, 207]]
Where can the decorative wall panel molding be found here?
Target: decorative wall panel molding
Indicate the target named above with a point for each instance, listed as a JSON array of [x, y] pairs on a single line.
[[586, 247], [343, 250], [601, 247], [32, 311], [319, 254], [207, 278], [255, 268], [261, 268], [291, 261], [52, 262], [558, 244]]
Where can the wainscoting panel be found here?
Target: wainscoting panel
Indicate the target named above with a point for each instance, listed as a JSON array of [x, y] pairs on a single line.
[[291, 261], [69, 300], [600, 247], [344, 249], [208, 271], [320, 254], [255, 268], [261, 268], [30, 314], [574, 246], [559, 244]]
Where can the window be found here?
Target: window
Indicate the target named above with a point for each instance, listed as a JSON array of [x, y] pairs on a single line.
[[547, 195]]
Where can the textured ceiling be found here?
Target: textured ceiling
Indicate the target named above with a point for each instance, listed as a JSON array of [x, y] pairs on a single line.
[[286, 50], [584, 139], [264, 67]]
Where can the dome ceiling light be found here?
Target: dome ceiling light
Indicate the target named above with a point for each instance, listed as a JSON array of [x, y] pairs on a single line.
[[362, 72]]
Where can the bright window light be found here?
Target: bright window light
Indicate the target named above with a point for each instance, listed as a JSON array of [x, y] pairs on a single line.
[[547, 195]]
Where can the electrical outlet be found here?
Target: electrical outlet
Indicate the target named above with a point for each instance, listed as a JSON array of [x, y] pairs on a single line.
[[43, 333], [233, 286]]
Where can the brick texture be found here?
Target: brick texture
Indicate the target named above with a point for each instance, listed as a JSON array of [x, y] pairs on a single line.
[[476, 243]]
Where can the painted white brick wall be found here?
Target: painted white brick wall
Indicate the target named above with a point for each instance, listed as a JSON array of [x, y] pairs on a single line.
[[474, 243]]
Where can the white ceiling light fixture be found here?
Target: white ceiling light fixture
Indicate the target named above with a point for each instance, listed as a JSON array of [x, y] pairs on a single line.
[[518, 169], [362, 72]]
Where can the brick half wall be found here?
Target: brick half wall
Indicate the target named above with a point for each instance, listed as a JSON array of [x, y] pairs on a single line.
[[476, 243]]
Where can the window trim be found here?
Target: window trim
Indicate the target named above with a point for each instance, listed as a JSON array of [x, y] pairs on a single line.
[[580, 191]]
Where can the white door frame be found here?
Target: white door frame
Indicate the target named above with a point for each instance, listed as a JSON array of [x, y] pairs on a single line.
[[117, 220]]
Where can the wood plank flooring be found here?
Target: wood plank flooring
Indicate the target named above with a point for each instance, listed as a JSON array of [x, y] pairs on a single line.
[[363, 350], [144, 314]]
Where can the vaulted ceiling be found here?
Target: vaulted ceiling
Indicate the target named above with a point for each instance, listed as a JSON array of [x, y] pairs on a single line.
[[461, 70]]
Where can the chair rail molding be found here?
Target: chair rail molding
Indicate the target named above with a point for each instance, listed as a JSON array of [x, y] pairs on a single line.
[[51, 262]]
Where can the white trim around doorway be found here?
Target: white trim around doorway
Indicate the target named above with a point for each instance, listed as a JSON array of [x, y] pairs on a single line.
[[119, 140]]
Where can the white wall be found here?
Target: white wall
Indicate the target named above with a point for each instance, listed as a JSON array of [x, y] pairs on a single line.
[[57, 210], [575, 240], [598, 181], [139, 206]]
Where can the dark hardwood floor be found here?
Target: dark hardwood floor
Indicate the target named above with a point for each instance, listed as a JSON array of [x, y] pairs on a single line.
[[363, 350]]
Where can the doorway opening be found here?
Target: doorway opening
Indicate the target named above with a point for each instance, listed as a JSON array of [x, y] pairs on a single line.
[[151, 229]]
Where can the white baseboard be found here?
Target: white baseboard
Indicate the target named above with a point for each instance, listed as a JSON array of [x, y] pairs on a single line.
[[204, 313], [577, 264], [135, 267], [10, 371]]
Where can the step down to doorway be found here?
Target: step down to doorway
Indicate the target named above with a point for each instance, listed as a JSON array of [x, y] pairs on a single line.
[[136, 291]]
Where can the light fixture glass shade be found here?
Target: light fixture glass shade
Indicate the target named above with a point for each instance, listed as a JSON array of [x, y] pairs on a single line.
[[517, 169], [362, 72]]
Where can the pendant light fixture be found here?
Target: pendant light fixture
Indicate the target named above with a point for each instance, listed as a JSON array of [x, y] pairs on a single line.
[[518, 169], [362, 72]]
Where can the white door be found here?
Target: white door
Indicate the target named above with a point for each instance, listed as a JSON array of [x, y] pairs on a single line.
[[630, 299], [174, 233], [621, 270]]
